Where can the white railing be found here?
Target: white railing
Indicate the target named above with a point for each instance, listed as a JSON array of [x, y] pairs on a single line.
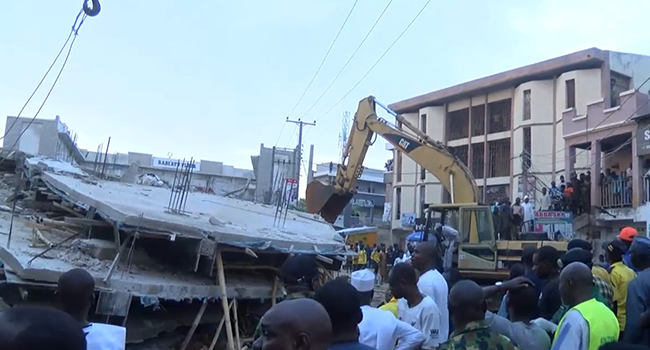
[[616, 193]]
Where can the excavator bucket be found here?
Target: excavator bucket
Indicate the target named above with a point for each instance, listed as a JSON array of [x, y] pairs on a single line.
[[322, 199]]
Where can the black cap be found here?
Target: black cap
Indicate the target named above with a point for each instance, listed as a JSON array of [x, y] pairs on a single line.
[[616, 247], [299, 268], [580, 243], [576, 255]]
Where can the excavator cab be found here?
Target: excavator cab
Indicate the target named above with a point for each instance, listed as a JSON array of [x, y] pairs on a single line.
[[477, 248]]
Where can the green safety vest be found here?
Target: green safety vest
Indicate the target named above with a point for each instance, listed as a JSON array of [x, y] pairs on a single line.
[[603, 324]]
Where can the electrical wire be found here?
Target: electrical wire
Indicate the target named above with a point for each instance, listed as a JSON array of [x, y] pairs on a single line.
[[604, 119], [629, 140], [378, 60], [72, 31], [349, 60], [65, 61], [324, 58], [279, 137], [295, 128]]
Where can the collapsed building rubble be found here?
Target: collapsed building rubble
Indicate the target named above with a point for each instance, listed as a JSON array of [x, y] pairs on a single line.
[[157, 271]]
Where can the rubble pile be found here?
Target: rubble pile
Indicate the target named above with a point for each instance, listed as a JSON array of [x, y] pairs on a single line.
[[153, 268]]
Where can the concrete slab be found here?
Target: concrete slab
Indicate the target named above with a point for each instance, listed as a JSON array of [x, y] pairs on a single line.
[[53, 165], [148, 279], [226, 220]]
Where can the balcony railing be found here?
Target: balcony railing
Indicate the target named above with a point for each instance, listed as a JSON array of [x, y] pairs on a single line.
[[617, 193]]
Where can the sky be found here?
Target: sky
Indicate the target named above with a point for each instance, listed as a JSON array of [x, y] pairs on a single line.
[[215, 79]]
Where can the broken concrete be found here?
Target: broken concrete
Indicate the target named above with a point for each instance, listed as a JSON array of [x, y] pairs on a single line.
[[238, 223]]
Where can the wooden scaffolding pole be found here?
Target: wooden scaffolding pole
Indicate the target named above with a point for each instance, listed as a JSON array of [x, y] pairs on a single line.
[[234, 311], [221, 276], [195, 324], [216, 335]]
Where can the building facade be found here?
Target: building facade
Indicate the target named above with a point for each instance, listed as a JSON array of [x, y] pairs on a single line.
[[519, 130], [53, 139], [274, 167], [367, 206], [207, 176], [46, 137]]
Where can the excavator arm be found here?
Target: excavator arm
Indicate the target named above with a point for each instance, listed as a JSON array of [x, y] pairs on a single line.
[[330, 200]]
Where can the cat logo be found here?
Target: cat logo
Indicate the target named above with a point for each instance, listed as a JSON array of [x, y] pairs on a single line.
[[404, 144]]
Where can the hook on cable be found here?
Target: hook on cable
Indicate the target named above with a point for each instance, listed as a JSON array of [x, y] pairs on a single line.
[[92, 11]]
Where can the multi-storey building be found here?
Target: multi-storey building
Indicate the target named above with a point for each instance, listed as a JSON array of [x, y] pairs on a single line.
[[527, 121], [367, 206]]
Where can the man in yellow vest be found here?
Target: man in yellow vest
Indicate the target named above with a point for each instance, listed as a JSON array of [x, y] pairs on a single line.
[[589, 323]]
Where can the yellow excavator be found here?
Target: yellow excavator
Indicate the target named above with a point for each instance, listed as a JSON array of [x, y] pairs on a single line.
[[480, 254]]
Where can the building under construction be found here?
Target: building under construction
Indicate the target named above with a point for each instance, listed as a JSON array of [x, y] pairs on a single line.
[[167, 261]]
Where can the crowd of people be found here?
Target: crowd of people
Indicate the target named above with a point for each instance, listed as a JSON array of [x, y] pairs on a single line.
[[551, 301], [37, 327], [510, 219]]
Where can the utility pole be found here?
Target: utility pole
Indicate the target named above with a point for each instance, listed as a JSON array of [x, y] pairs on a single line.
[[300, 124]]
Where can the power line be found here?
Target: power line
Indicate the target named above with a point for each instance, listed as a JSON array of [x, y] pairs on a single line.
[[349, 60], [65, 61], [72, 31], [279, 137], [324, 58], [613, 130], [378, 60], [604, 119]]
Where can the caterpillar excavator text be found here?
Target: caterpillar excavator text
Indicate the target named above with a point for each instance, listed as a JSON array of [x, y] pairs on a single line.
[[479, 254]]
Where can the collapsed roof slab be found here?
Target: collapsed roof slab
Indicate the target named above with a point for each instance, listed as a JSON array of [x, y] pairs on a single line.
[[150, 280], [226, 220]]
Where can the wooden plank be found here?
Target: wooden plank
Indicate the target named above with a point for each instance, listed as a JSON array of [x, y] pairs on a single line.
[[195, 324], [67, 209], [221, 323], [221, 276], [85, 221], [234, 311]]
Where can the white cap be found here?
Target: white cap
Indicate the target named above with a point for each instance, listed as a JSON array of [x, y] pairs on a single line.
[[363, 280], [525, 197]]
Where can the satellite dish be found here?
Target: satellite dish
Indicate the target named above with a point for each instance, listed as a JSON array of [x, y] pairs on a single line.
[[170, 154]]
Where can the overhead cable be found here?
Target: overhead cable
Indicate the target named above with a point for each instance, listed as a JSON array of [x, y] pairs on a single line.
[[324, 58], [349, 60]]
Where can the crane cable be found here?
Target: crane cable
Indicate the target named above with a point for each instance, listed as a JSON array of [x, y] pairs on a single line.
[[87, 11]]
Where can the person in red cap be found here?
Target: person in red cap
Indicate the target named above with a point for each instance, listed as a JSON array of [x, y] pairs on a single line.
[[626, 236]]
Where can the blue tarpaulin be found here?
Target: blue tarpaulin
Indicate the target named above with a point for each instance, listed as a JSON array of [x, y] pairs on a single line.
[[417, 236]]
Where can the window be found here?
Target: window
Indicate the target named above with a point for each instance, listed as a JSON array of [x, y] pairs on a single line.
[[527, 148], [458, 124], [423, 123], [499, 116], [398, 203], [526, 104], [460, 152], [478, 160], [422, 199], [499, 158], [478, 120], [570, 93], [398, 166]]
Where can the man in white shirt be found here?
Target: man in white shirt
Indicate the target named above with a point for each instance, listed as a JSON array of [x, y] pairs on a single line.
[[413, 307], [76, 292], [378, 328], [529, 215], [451, 239], [545, 200], [431, 282]]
